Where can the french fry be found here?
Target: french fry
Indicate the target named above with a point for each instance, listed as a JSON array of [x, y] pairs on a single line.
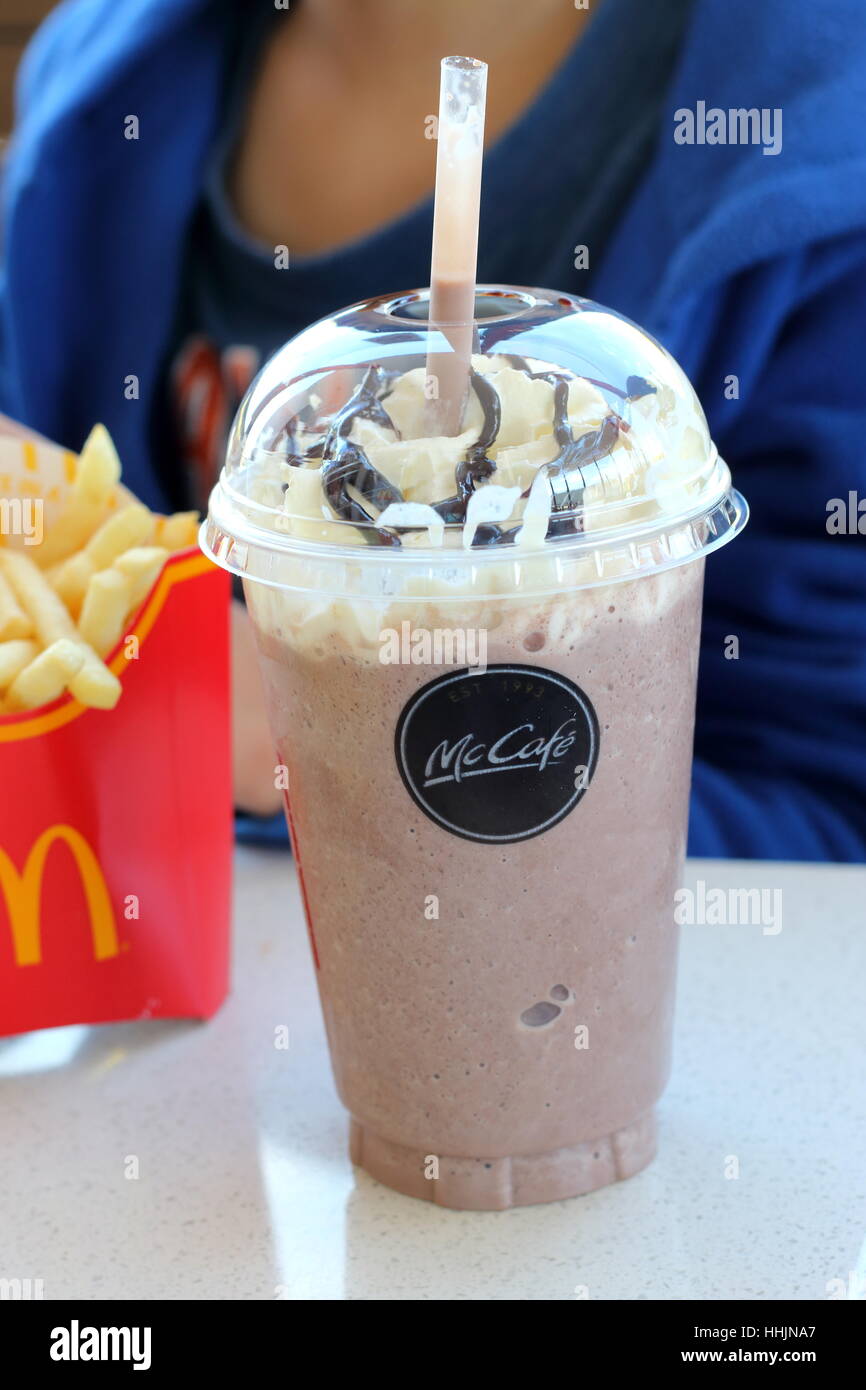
[[14, 622], [130, 526], [30, 586], [47, 676], [141, 565], [98, 467], [178, 531], [93, 684], [14, 656], [104, 610], [95, 482], [70, 579], [78, 521]]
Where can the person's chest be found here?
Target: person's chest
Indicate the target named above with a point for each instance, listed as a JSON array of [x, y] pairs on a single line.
[[320, 161], [333, 145]]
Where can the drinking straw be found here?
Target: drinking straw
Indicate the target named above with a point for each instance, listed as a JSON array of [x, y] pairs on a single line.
[[462, 95]]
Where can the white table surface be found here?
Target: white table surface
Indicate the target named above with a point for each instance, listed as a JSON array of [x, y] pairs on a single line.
[[245, 1190]]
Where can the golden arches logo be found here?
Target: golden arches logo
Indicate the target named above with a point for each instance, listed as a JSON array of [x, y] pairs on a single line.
[[23, 893]]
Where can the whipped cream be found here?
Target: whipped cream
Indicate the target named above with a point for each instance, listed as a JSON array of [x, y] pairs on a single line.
[[539, 472]]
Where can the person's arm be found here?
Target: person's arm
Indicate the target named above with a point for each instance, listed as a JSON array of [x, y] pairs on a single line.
[[253, 753], [781, 736]]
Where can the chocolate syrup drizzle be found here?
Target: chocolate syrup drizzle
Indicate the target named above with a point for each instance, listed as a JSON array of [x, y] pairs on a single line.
[[345, 463], [574, 455], [475, 466], [297, 457]]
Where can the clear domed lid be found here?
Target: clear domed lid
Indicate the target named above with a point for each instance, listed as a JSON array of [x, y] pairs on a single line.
[[578, 429]]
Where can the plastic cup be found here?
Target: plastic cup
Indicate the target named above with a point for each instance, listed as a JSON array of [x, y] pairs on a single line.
[[485, 713]]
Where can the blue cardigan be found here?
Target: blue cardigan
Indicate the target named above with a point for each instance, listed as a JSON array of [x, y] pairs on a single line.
[[744, 264]]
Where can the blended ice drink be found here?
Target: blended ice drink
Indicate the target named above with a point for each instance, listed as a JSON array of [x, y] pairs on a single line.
[[479, 651], [471, 526]]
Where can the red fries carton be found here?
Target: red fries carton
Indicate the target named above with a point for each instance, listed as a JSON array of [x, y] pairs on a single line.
[[116, 825]]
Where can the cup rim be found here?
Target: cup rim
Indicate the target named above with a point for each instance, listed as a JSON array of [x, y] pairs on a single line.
[[233, 542]]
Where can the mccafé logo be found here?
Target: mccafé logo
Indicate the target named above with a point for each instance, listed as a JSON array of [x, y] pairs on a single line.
[[471, 757], [22, 891], [497, 755]]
